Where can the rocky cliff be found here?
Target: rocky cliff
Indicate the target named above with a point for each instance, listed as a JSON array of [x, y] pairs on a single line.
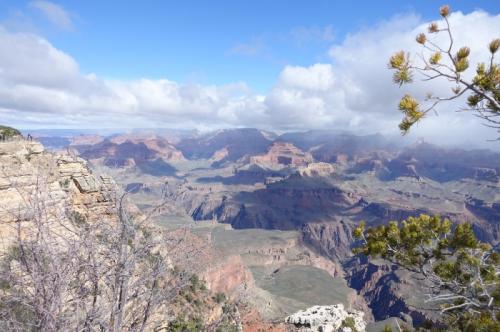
[[332, 239], [50, 195], [62, 182], [388, 291]]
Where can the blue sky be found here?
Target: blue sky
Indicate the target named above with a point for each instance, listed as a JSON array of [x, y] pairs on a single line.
[[275, 65], [210, 42]]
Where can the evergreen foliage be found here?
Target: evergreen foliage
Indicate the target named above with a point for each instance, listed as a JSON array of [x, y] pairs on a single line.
[[9, 132], [463, 273]]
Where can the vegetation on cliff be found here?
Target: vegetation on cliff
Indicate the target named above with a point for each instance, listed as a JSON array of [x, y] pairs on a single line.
[[9, 132], [462, 273]]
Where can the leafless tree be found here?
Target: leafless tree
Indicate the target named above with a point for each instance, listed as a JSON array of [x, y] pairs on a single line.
[[64, 272]]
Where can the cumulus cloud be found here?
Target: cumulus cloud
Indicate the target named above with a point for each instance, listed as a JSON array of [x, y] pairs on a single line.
[[55, 13], [361, 64], [40, 84], [43, 86], [302, 97], [355, 91]]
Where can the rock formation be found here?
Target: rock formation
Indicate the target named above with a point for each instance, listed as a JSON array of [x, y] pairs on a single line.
[[283, 153], [317, 169], [62, 181], [257, 181], [332, 239], [55, 204], [328, 319], [388, 290]]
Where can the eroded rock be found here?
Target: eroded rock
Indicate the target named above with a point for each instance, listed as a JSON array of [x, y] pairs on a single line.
[[328, 319]]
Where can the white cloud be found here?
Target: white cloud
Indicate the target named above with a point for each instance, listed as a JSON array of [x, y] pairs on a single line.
[[316, 77], [32, 61], [40, 84], [54, 13], [302, 96], [43, 86], [360, 62]]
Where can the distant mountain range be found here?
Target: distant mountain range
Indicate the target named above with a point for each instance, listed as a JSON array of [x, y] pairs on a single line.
[[372, 177]]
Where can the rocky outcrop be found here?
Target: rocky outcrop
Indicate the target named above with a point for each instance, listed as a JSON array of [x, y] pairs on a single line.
[[94, 195], [283, 153], [63, 182], [328, 319]]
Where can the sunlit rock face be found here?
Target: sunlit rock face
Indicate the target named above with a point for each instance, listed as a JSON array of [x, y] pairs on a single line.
[[283, 153], [30, 175], [328, 319], [317, 169]]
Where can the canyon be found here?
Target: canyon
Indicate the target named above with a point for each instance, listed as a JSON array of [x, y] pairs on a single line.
[[274, 206]]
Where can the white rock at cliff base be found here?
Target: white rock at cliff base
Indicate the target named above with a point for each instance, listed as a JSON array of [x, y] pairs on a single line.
[[327, 319]]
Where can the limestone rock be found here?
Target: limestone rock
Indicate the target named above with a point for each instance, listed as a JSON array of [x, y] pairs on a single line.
[[328, 319], [87, 184], [72, 166], [64, 182], [19, 147]]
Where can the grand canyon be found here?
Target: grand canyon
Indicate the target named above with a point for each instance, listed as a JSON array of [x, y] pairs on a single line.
[[279, 210], [249, 166]]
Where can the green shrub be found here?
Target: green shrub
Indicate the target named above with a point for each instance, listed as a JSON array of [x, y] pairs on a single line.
[[349, 322], [9, 132], [181, 324], [220, 297]]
